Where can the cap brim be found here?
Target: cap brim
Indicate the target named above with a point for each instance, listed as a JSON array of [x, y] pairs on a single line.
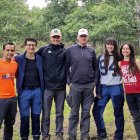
[[55, 35], [82, 34]]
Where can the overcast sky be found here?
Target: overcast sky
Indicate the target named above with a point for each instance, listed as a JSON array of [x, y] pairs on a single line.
[[38, 3]]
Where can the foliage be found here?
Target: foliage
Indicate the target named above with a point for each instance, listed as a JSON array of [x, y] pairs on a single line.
[[102, 18], [13, 15]]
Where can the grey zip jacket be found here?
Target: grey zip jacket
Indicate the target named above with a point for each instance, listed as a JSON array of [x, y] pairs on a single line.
[[81, 65]]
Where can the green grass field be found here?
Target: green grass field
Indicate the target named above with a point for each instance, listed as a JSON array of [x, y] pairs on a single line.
[[129, 133]]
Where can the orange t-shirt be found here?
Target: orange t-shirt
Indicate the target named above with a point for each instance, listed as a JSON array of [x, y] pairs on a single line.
[[7, 75]]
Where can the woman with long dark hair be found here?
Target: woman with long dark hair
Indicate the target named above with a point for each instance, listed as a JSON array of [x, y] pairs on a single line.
[[109, 87], [130, 69]]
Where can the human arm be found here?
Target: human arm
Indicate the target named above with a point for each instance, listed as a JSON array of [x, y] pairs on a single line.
[[97, 77], [67, 53], [95, 67], [40, 51], [138, 63]]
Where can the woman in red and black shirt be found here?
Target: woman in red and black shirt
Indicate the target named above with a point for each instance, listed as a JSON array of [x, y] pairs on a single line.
[[130, 69]]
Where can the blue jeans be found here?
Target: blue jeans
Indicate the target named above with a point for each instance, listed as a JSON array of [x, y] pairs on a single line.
[[80, 97], [30, 99], [59, 96], [133, 101], [116, 94]]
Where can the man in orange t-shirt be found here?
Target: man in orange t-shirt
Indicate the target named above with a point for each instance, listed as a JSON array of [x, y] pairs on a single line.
[[8, 99]]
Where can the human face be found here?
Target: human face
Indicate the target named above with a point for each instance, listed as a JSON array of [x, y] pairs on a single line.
[[110, 48], [56, 40], [8, 52], [82, 39], [30, 47], [126, 50]]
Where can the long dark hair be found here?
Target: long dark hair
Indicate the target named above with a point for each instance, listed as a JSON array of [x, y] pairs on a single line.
[[132, 60], [112, 41]]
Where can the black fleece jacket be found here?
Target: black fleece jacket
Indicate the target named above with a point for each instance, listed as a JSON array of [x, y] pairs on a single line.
[[53, 57]]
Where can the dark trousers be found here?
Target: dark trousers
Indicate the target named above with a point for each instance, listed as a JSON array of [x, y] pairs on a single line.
[[8, 109], [133, 101], [116, 94], [80, 97], [59, 96], [24, 128], [30, 101]]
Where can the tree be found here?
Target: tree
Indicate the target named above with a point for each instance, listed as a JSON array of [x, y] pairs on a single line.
[[12, 18], [56, 11]]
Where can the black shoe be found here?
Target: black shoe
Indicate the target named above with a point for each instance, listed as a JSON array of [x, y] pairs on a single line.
[[47, 138], [71, 138], [87, 138], [36, 137], [59, 136], [24, 138], [102, 136], [117, 139]]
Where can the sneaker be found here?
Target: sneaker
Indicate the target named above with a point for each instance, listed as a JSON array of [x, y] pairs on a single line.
[[47, 138], [59, 136], [102, 136]]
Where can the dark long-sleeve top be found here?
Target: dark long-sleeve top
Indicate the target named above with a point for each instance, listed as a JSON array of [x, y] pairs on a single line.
[[81, 65], [21, 60], [53, 57]]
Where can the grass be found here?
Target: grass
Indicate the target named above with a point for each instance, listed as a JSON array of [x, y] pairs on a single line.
[[129, 133]]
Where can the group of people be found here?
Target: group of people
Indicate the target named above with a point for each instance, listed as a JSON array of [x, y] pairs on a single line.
[[41, 77]]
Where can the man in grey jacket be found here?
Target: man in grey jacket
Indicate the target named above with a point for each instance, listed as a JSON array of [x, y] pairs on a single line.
[[81, 68]]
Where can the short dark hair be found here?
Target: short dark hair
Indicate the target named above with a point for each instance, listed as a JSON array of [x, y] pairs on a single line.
[[8, 43], [30, 39]]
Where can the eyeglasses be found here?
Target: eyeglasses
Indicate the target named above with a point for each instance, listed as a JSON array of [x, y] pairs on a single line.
[[56, 36], [83, 35]]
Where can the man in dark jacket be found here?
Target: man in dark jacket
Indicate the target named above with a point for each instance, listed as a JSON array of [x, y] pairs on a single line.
[[81, 68], [30, 85], [53, 57]]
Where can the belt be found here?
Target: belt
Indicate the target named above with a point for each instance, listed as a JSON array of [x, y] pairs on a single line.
[[30, 87]]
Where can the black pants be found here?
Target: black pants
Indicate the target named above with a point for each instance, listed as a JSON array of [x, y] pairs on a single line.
[[8, 109], [133, 101]]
